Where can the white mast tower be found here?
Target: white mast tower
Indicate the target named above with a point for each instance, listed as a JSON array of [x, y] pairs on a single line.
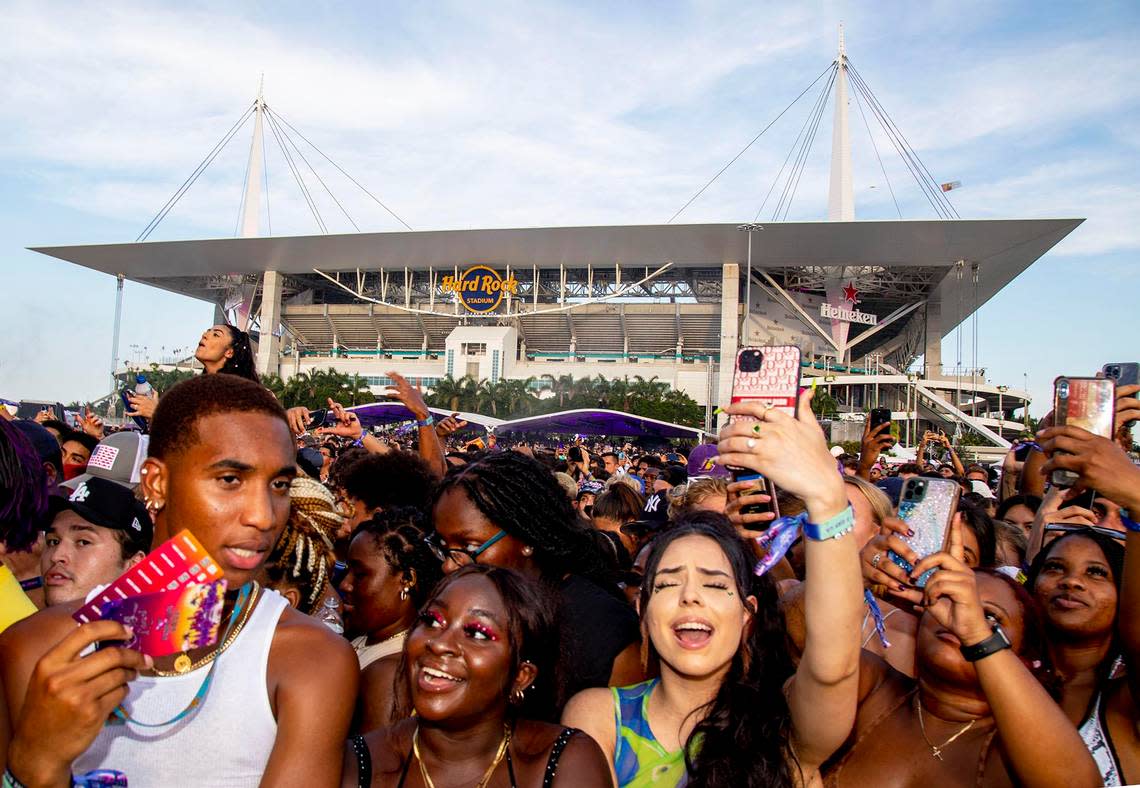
[[841, 197]]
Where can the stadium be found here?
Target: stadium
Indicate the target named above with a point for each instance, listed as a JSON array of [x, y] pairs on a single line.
[[867, 302]]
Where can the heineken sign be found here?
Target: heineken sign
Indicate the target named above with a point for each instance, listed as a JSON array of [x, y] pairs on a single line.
[[848, 314]]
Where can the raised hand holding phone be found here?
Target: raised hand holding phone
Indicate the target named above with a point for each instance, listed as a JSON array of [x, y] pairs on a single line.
[[951, 594], [927, 506]]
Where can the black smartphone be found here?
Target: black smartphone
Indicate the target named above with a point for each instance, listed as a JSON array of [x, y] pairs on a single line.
[[1084, 500], [880, 416], [318, 417], [1125, 373]]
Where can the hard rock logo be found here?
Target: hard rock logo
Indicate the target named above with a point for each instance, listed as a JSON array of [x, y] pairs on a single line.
[[480, 289]]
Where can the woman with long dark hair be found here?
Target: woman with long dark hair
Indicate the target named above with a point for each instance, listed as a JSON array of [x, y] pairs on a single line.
[[506, 509], [1088, 584], [479, 669], [222, 348], [728, 708]]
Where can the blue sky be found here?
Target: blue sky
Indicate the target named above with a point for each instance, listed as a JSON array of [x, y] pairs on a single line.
[[462, 115]]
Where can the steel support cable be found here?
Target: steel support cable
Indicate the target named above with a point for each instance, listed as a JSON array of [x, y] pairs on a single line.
[[265, 173], [791, 150], [875, 147], [300, 181], [316, 175], [907, 159], [244, 192], [941, 195], [926, 180], [795, 145], [186, 184], [812, 120], [749, 145], [375, 199], [800, 164]]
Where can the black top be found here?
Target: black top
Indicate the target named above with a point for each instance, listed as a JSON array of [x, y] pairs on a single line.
[[596, 627]]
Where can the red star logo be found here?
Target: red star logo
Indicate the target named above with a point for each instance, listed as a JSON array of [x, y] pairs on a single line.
[[850, 293]]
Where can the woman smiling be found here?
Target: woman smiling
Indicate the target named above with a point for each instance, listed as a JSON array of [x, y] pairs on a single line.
[[479, 669]]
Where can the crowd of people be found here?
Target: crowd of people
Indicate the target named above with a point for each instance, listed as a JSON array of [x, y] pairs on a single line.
[[423, 607]]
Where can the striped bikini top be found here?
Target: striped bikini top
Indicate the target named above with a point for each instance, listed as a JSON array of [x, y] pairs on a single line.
[[639, 759]]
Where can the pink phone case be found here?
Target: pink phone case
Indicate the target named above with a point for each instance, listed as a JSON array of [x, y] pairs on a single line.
[[776, 382]]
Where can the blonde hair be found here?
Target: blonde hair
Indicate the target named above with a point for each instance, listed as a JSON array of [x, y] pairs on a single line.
[[303, 555], [880, 503], [568, 484], [686, 496]]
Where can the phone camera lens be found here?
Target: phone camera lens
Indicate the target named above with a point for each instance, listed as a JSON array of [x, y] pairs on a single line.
[[1063, 389]]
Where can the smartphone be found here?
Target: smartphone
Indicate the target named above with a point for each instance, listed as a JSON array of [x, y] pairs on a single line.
[[770, 375], [1085, 500], [30, 408], [142, 423], [170, 621], [1089, 403], [927, 506], [318, 417], [1125, 373], [880, 416]]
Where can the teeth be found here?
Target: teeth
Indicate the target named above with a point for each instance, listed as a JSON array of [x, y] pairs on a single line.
[[243, 553], [439, 674], [694, 625]]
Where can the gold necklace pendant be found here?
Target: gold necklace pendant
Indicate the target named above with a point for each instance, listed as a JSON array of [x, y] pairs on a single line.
[[182, 663]]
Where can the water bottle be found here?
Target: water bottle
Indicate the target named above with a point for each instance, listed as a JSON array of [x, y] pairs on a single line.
[[142, 387], [329, 615]]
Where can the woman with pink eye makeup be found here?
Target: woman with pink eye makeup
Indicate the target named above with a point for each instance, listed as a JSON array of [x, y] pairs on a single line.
[[479, 671]]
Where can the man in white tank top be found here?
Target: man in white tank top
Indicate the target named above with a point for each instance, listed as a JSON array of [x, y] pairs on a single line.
[[280, 696]]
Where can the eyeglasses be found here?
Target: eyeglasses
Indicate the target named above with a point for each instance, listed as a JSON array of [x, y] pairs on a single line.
[[1066, 528], [460, 556]]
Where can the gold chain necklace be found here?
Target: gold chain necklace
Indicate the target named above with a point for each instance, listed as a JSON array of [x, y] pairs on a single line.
[[504, 744], [936, 751], [183, 665]]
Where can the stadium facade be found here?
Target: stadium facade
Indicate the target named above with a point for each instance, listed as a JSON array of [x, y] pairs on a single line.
[[864, 300]]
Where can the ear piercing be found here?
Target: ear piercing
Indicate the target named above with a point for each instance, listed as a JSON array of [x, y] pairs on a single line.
[[528, 550]]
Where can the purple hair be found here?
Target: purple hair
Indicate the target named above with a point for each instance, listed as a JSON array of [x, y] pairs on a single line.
[[23, 489]]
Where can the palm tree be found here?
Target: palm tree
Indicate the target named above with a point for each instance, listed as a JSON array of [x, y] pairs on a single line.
[[446, 393]]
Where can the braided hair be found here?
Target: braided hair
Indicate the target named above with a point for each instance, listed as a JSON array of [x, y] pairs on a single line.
[[399, 536], [241, 362], [303, 555], [519, 495]]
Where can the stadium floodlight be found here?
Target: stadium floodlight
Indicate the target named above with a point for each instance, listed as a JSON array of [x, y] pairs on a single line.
[[750, 228]]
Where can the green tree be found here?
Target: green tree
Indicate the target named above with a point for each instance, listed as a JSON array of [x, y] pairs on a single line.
[[823, 405], [446, 393]]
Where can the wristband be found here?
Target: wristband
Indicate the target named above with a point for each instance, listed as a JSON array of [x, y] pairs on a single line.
[[832, 528], [430, 420], [359, 441], [1129, 523], [9, 780]]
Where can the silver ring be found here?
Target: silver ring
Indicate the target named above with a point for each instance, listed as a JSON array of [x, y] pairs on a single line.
[[875, 561]]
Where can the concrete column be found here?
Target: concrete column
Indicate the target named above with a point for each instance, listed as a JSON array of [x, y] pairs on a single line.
[[268, 346], [932, 350], [729, 334]]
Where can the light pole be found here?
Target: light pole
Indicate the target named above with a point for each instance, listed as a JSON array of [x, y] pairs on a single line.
[[1001, 411], [749, 228], [1025, 406]]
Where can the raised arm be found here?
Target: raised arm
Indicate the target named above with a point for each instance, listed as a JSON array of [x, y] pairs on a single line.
[[430, 446], [875, 442], [792, 452], [1017, 699]]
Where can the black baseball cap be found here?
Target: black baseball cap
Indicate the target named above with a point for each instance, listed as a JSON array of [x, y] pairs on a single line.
[[107, 504]]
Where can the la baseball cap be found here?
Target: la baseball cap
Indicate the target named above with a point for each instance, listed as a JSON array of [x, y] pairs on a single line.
[[117, 458], [701, 463], [108, 504]]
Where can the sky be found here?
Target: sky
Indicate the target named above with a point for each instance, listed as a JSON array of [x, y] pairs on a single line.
[[513, 114]]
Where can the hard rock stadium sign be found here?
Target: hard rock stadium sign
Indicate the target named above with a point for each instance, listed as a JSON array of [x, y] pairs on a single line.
[[480, 289]]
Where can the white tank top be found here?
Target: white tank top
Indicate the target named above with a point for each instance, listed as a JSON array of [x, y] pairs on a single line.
[[225, 742]]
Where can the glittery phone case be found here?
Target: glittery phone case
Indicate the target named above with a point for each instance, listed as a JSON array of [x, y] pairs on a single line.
[[1088, 403], [927, 506]]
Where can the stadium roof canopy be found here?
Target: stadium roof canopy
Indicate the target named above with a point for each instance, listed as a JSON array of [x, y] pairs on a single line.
[[594, 421], [1003, 247]]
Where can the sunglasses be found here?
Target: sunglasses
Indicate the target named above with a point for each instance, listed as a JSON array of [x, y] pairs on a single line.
[[460, 556], [1066, 528]]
